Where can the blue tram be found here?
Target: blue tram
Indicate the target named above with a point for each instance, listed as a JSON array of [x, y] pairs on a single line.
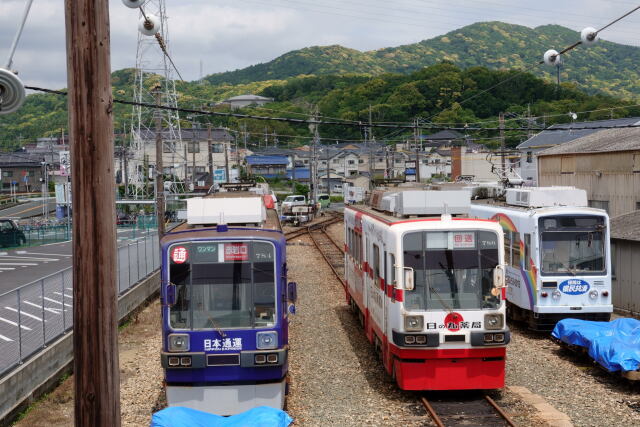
[[225, 306]]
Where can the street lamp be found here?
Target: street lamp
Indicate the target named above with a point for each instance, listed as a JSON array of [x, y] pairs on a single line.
[[45, 191]]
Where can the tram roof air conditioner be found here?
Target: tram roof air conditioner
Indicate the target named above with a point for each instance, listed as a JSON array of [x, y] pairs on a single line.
[[426, 202], [541, 197], [225, 210]]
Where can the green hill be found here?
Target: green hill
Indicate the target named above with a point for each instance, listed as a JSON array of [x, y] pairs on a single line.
[[607, 67]]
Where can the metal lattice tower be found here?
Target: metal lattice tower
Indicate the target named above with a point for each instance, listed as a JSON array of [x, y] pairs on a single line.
[[153, 69]]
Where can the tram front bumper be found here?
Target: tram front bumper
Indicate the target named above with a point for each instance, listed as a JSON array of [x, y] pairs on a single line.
[[228, 399]]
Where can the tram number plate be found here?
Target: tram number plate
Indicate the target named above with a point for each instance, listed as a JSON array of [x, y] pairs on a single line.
[[236, 252]]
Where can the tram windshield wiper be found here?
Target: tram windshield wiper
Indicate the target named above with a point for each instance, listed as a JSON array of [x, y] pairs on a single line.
[[215, 325]]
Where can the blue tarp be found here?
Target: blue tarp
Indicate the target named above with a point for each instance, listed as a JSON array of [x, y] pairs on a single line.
[[262, 416], [615, 345]]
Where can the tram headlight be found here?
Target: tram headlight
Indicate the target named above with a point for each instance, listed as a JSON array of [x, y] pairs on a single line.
[[493, 321], [556, 294], [178, 342], [413, 323], [593, 294], [267, 340]]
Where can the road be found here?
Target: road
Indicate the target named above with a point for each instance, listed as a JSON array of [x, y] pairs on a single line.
[[42, 308], [28, 210], [25, 265]]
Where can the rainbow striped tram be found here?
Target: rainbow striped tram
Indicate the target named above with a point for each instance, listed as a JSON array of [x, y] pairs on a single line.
[[427, 283], [225, 305], [557, 255]]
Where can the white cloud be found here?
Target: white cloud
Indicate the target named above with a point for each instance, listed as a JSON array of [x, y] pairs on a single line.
[[230, 34]]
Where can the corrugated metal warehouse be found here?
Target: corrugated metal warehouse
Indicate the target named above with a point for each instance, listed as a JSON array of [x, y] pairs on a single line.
[[606, 164], [625, 248]]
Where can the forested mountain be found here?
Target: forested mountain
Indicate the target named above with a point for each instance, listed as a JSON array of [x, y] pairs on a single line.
[[439, 94], [607, 67]]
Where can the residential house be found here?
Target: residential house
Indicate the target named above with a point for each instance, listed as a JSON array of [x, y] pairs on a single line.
[[267, 166], [21, 172], [247, 100], [185, 153]]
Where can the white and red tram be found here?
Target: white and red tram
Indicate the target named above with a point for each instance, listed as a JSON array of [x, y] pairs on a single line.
[[429, 289]]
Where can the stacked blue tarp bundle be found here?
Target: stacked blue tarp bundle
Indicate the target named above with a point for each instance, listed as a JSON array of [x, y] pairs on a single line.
[[262, 416], [615, 345]]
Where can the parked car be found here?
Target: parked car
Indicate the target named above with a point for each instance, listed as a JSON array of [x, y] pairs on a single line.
[[292, 201], [10, 234], [324, 200]]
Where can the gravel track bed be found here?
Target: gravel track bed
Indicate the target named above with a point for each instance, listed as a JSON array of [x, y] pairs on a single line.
[[141, 391], [335, 376], [570, 382]]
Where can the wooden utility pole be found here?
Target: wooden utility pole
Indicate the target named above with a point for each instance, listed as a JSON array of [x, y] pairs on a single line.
[[226, 160], [159, 169], [193, 157], [502, 146], [417, 146], [95, 320], [210, 150]]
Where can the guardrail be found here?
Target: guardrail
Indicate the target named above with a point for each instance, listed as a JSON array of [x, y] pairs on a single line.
[[38, 313]]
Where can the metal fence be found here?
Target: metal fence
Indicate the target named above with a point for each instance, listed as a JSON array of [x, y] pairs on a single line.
[[36, 314], [59, 231]]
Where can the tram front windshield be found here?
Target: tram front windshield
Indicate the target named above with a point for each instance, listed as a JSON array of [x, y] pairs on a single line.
[[222, 285], [453, 270], [572, 245]]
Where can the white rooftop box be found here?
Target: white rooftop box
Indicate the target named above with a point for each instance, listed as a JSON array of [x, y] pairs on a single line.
[[226, 210], [455, 202], [540, 197]]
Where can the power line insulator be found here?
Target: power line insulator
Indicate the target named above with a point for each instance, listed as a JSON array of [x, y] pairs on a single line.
[[133, 4], [589, 36], [12, 92], [552, 58], [149, 26]]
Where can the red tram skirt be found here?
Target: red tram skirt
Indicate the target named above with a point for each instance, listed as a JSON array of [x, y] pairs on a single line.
[[450, 369]]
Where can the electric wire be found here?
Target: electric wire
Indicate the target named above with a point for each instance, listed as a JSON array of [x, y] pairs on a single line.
[[518, 72], [330, 123]]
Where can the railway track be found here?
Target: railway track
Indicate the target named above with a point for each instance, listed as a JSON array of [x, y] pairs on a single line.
[[471, 411], [474, 411], [330, 250], [333, 218]]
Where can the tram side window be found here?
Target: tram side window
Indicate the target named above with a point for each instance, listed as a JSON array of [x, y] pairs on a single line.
[[391, 275], [527, 251], [507, 247], [515, 250], [376, 261], [385, 269]]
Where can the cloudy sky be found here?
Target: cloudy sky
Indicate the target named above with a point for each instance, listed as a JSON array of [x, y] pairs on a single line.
[[229, 34]]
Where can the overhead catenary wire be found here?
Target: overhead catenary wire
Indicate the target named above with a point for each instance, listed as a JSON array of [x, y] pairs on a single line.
[[162, 44]]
